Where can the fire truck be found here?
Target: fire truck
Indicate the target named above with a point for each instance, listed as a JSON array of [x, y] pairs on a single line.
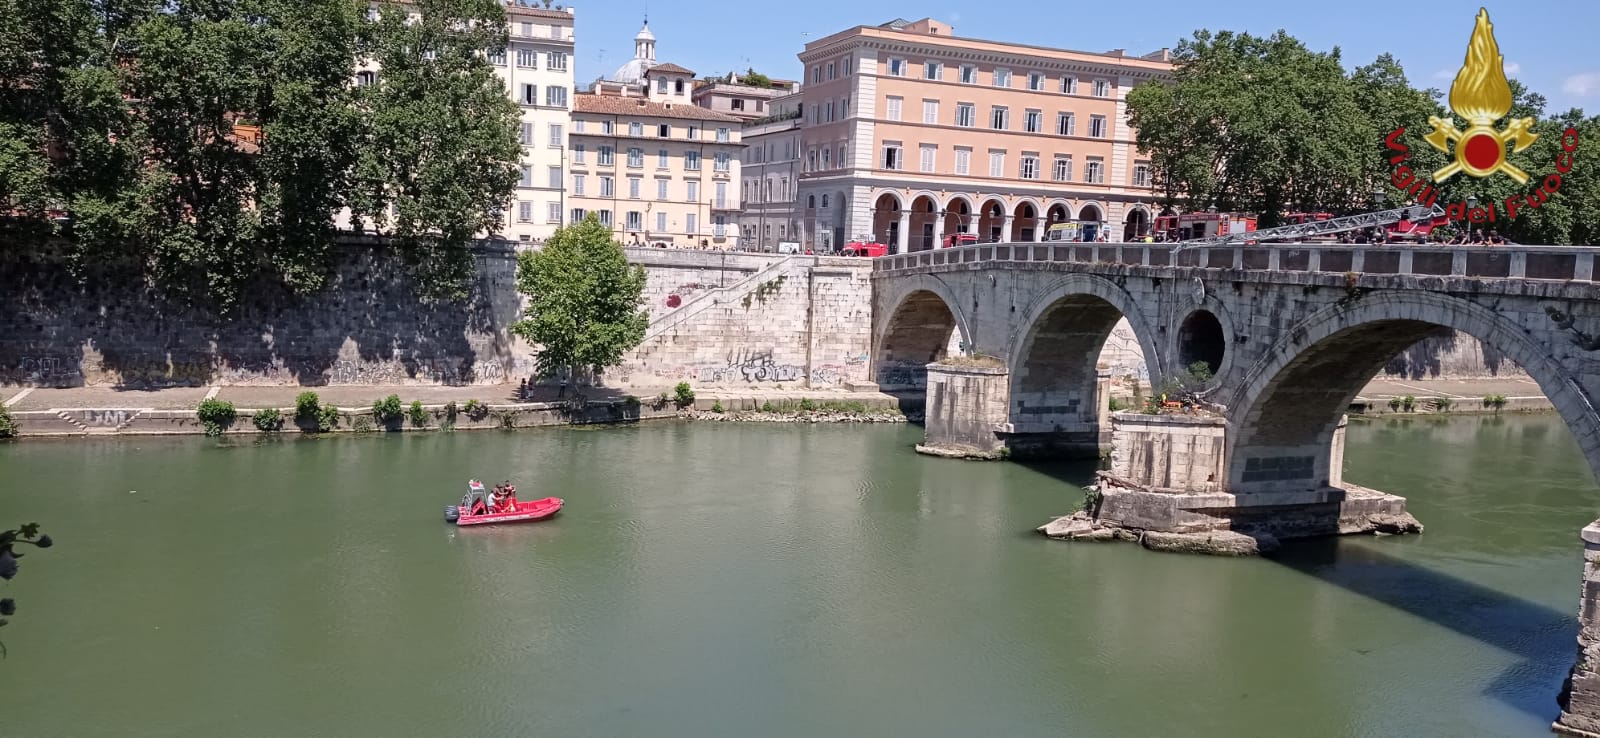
[[1205, 224]]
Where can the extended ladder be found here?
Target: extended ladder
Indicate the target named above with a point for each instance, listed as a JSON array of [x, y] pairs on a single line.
[[1299, 231]]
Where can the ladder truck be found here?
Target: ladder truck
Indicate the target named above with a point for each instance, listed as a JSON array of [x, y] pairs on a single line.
[[1417, 216]]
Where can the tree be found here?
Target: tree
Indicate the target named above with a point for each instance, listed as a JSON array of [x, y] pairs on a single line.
[[755, 79], [583, 300], [438, 156], [9, 540]]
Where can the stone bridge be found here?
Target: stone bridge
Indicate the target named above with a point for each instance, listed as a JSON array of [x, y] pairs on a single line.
[[1004, 339]]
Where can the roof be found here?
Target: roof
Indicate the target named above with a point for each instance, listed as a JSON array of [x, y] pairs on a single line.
[[517, 9], [588, 102], [668, 67]]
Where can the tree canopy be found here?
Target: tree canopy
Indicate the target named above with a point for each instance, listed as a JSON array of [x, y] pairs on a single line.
[[1267, 125], [210, 144], [583, 299]]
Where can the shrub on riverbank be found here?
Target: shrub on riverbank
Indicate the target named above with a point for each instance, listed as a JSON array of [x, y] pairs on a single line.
[[216, 415], [327, 418], [268, 419], [8, 426], [419, 416], [683, 394], [387, 410]]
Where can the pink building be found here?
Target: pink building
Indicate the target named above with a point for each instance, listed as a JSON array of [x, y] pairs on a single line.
[[911, 134]]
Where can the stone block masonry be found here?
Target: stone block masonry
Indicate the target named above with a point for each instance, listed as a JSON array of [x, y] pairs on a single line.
[[717, 319]]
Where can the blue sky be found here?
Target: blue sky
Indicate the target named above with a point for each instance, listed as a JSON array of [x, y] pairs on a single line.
[[1429, 38]]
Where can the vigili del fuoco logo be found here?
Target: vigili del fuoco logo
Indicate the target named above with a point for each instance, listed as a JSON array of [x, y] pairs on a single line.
[[1482, 96]]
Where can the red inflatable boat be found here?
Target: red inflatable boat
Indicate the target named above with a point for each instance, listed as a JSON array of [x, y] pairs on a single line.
[[488, 512]]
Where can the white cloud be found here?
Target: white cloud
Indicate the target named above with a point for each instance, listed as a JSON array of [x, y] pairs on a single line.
[[1582, 85], [1512, 68]]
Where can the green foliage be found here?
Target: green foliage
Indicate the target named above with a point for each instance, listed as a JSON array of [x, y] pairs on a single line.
[[475, 410], [26, 534], [1394, 404], [806, 405], [362, 424], [1266, 125], [683, 394], [8, 425], [388, 410], [419, 416], [268, 419], [753, 78], [216, 415], [1408, 402], [306, 406], [632, 401], [662, 399], [1441, 404], [716, 407], [327, 418], [1091, 498], [127, 116], [1494, 402], [583, 299], [1114, 405], [766, 407]]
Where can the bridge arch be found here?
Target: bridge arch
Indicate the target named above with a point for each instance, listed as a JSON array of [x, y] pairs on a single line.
[[1290, 401], [922, 323], [1055, 354]]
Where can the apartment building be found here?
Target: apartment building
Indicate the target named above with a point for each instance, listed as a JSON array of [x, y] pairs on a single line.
[[648, 162], [537, 67], [770, 173], [739, 99], [911, 133]]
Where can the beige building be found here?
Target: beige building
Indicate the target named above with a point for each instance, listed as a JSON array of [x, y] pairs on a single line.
[[770, 170], [911, 133], [650, 163], [740, 100]]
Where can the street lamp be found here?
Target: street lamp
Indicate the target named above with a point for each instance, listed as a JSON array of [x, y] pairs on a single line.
[[1472, 204]]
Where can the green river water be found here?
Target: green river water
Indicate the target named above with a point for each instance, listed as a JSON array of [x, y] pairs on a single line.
[[765, 580]]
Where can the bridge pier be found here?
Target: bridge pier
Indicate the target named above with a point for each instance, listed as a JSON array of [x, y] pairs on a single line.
[[1580, 696], [1167, 487], [972, 412]]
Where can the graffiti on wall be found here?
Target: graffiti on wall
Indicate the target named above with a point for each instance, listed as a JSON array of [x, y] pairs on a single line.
[[41, 370], [682, 292], [902, 375]]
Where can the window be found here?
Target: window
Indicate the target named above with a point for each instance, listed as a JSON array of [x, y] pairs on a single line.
[[1097, 126], [661, 85], [577, 126], [635, 157], [897, 67], [661, 189], [691, 223], [636, 129], [555, 97], [1000, 118], [677, 87], [693, 191], [635, 220], [963, 161], [1002, 77], [1030, 166], [828, 114], [527, 134], [635, 185], [577, 153], [1033, 121], [1141, 174], [722, 195], [1102, 88], [607, 186], [662, 158], [691, 161], [723, 135], [833, 71], [827, 158], [530, 95], [969, 74], [554, 178], [997, 163], [497, 57], [577, 185], [966, 115], [694, 132], [663, 131], [527, 58], [719, 225], [556, 137], [891, 156], [1035, 81], [1069, 85], [524, 211], [577, 215], [930, 111], [847, 61], [892, 110], [527, 29], [527, 177], [722, 161], [552, 212], [661, 221], [1094, 170], [928, 151], [604, 216], [605, 127], [1066, 124], [556, 61], [1062, 172], [816, 75], [841, 158], [932, 70]]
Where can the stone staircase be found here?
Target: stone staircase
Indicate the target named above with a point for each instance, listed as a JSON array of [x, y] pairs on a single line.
[[98, 422], [714, 297]]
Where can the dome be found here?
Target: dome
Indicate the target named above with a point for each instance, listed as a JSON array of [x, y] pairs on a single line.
[[645, 34], [633, 71]]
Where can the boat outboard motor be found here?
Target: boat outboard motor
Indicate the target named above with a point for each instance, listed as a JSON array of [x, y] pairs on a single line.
[[451, 513]]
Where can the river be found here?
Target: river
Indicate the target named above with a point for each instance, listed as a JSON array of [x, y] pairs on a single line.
[[723, 579]]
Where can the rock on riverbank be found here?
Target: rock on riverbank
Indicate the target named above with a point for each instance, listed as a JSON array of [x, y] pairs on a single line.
[[816, 416]]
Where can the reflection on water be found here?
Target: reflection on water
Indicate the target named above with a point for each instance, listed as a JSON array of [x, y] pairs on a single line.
[[777, 581]]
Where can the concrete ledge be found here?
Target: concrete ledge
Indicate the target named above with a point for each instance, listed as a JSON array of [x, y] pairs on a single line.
[[953, 452]]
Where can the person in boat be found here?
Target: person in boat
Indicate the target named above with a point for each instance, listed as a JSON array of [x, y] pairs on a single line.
[[507, 501], [511, 495]]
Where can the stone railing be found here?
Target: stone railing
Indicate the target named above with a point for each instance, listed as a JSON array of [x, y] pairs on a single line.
[[1560, 263]]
